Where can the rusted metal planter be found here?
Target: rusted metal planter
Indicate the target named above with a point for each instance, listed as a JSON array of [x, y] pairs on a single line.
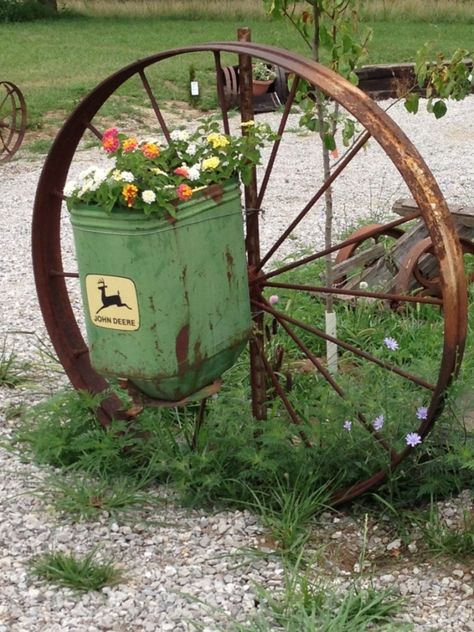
[[166, 303]]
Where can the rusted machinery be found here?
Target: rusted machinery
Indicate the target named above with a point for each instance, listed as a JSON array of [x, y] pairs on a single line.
[[276, 333], [12, 119]]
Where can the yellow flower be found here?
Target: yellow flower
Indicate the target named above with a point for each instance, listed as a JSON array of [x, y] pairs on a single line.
[[210, 163], [129, 193], [247, 124], [217, 140]]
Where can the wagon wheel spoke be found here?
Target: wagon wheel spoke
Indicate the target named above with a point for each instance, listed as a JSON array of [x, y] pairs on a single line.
[[317, 196], [323, 371], [384, 296], [154, 105], [276, 144], [344, 345], [294, 417], [221, 91], [347, 242]]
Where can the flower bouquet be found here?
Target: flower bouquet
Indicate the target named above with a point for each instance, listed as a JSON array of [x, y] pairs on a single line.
[[153, 179]]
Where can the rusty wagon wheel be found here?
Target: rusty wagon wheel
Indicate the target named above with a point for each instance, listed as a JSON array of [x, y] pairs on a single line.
[[334, 413], [12, 119]]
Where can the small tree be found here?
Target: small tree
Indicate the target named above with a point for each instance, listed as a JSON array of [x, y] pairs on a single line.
[[334, 34]]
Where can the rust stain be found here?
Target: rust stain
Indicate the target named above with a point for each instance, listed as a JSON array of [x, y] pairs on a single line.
[[198, 359], [182, 348], [183, 279], [214, 191], [230, 266]]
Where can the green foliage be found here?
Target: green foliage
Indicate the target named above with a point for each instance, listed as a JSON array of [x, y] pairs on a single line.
[[84, 497], [289, 510], [153, 179], [335, 36], [24, 11], [442, 79], [309, 604], [79, 573], [12, 372], [455, 541]]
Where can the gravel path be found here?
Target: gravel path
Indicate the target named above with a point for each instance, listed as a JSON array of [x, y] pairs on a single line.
[[187, 566]]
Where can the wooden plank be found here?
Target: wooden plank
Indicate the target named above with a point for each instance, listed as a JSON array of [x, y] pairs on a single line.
[[391, 81], [463, 214]]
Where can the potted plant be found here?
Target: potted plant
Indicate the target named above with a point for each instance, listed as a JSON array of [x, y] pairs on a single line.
[[263, 75], [160, 250]]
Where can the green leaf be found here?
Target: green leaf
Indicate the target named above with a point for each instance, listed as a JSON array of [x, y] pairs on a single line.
[[329, 142], [412, 103], [439, 109]]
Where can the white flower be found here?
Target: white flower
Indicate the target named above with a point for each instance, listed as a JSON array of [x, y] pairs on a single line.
[[100, 175], [194, 173], [88, 172], [69, 188], [148, 196], [117, 175], [191, 149], [179, 134], [127, 176], [86, 187]]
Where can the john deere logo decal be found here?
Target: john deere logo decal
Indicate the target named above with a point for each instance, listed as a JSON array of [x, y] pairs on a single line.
[[113, 302]]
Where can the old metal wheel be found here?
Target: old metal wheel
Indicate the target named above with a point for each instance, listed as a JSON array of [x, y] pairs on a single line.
[[286, 366], [12, 120]]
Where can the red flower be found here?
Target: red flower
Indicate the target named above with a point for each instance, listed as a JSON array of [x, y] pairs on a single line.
[[182, 171]]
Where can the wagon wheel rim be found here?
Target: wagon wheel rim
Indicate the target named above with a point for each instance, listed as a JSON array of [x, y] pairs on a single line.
[[12, 120], [51, 278]]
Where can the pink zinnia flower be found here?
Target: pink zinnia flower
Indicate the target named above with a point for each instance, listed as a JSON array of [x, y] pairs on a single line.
[[182, 171], [110, 140]]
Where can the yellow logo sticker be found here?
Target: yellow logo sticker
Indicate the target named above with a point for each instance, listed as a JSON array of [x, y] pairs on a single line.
[[113, 302]]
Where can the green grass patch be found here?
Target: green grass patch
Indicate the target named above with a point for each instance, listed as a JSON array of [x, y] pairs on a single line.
[[79, 573], [93, 48]]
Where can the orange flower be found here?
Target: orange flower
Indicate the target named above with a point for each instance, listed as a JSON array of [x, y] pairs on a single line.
[[150, 150], [129, 193], [129, 144], [181, 171], [184, 192]]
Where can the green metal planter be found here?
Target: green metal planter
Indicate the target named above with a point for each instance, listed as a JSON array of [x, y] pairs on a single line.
[[166, 303]]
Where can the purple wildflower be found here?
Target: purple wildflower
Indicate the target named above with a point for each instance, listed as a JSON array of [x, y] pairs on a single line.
[[347, 425], [390, 343], [413, 439], [378, 422], [274, 298], [422, 412]]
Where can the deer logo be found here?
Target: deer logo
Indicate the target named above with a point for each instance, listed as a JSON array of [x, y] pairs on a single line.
[[112, 299]]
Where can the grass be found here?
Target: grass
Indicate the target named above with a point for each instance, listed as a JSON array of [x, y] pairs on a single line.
[[405, 10], [13, 372], [93, 48], [308, 604], [79, 573], [443, 539], [86, 498]]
